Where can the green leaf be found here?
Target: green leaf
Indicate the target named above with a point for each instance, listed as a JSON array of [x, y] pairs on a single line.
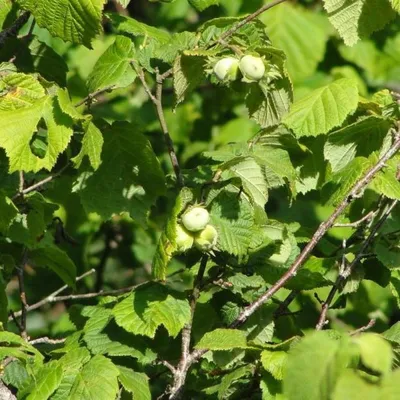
[[317, 356], [393, 333], [358, 139], [188, 73], [76, 21], [67, 107], [324, 109], [19, 91], [142, 312], [274, 362], [179, 42], [127, 179], [301, 34], [376, 352], [97, 380], [47, 380], [228, 380], [92, 145], [351, 386], [71, 363], [113, 68], [7, 212], [136, 28], [356, 18], [135, 383], [233, 218], [223, 339], [3, 301], [203, 4], [56, 260], [18, 127], [396, 5], [390, 386]]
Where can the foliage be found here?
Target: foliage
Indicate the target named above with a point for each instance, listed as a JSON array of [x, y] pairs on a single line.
[[198, 199]]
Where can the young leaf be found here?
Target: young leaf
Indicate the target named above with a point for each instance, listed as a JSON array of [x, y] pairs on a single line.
[[76, 21], [323, 109], [223, 339], [7, 212], [113, 68]]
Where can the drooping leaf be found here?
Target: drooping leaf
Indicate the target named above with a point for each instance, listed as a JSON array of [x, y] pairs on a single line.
[[324, 109], [135, 382], [76, 21]]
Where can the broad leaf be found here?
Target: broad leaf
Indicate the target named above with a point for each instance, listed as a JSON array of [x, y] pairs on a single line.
[[135, 383], [223, 339], [324, 109]]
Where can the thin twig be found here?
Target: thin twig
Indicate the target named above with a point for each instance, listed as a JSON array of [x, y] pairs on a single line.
[[248, 19], [22, 295], [40, 183], [357, 223], [186, 360], [46, 340], [283, 307], [51, 296], [89, 98], [14, 28], [350, 267], [364, 328], [21, 182]]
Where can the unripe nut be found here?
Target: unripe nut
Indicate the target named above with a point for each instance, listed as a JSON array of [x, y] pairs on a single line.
[[226, 69], [184, 241], [195, 219], [252, 68], [206, 239]]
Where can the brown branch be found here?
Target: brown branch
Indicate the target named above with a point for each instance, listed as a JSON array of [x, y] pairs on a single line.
[[14, 28], [356, 224], [51, 296], [370, 324], [186, 360], [349, 268], [91, 96], [22, 295], [40, 183], [46, 340], [248, 19]]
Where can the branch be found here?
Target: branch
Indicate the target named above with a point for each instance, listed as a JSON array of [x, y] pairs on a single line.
[[248, 19], [356, 224], [14, 28], [320, 232], [349, 268], [89, 98], [46, 340], [40, 183], [51, 296], [370, 324], [186, 360], [22, 295]]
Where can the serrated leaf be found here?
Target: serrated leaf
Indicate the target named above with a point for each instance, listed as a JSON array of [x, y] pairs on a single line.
[[302, 34], [324, 109], [223, 339], [356, 18], [97, 380], [233, 218], [56, 260], [179, 42], [375, 352], [358, 139], [395, 5], [135, 382], [47, 380], [188, 73], [18, 127], [319, 356], [127, 179], [274, 362], [228, 380], [203, 4], [142, 312], [76, 21], [92, 145], [113, 68], [67, 107]]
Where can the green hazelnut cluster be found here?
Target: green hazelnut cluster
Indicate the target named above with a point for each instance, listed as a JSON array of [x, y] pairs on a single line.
[[196, 230], [251, 67]]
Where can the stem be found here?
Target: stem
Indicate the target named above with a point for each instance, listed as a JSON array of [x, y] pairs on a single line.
[[14, 28], [22, 295], [370, 324], [186, 359], [349, 269], [89, 98], [46, 340]]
